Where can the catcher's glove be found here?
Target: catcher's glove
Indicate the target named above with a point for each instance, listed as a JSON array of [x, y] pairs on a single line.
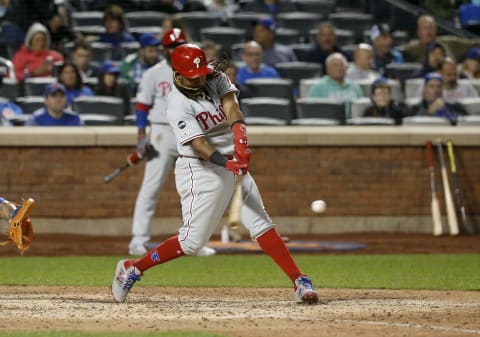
[[20, 226]]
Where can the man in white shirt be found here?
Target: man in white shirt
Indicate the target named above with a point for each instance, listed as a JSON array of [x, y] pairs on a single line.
[[453, 90], [361, 68]]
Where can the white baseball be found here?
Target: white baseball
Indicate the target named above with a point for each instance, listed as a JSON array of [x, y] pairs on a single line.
[[319, 206]]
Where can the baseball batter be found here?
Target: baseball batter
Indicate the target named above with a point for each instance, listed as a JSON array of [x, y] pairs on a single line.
[[204, 114], [155, 85]]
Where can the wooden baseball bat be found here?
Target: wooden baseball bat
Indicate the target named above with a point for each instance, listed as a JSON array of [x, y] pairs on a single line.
[[436, 215], [236, 205], [463, 221], [451, 216], [116, 172]]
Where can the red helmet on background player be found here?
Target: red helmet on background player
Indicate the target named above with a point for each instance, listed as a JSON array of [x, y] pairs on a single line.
[[173, 38], [190, 61]]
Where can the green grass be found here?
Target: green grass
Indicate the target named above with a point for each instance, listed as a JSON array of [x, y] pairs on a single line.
[[107, 334], [447, 272]]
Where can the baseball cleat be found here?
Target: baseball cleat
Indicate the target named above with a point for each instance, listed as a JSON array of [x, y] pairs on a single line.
[[138, 250], [206, 251], [304, 291], [125, 277]]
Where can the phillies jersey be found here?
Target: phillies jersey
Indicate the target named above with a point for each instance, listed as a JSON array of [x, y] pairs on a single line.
[[153, 90], [194, 118]]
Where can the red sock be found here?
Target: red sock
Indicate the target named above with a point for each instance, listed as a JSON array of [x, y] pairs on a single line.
[[168, 250], [273, 245]]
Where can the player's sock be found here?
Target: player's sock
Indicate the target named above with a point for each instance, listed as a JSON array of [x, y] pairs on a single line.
[[273, 245], [168, 250]]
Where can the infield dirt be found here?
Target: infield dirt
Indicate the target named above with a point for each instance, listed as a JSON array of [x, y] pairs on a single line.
[[238, 312]]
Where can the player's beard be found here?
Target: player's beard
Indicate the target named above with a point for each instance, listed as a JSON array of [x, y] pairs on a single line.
[[190, 92]]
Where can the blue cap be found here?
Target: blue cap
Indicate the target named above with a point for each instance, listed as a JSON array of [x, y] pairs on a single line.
[[433, 76], [109, 67], [267, 22], [149, 39], [53, 88], [473, 53]]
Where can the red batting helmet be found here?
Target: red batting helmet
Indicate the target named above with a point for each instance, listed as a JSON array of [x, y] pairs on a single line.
[[173, 37], [190, 61]]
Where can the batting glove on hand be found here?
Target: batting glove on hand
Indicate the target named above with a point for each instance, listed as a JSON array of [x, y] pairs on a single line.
[[145, 149], [242, 151], [238, 168]]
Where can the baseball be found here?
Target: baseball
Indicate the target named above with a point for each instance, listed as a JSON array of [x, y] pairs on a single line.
[[319, 206]]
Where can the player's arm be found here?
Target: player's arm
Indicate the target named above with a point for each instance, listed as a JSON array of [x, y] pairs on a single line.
[[144, 99]]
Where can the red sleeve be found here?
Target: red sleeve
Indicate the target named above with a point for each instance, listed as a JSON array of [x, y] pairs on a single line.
[[142, 107]]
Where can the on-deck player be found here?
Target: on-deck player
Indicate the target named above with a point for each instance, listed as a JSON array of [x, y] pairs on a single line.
[[211, 138], [155, 85]]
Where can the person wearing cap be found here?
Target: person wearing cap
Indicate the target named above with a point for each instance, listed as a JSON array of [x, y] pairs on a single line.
[[471, 65], [433, 104], [325, 44], [135, 64], [54, 112], [382, 103], [361, 68], [150, 107], [108, 83], [273, 52], [453, 90], [383, 52]]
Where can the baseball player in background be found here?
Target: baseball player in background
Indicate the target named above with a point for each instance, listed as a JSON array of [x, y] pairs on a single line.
[[205, 116], [155, 85]]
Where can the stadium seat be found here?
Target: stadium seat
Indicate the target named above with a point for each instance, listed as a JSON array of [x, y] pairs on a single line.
[[267, 111], [137, 31], [402, 71], [425, 121], [344, 37], [359, 105], [287, 35], [145, 19], [244, 20], [195, 21], [305, 85], [471, 105], [354, 21], [103, 110], [469, 121], [270, 87], [87, 18], [414, 87], [371, 121], [34, 86], [297, 71], [130, 48], [323, 7], [224, 36], [101, 51], [301, 50], [10, 88], [321, 108], [303, 22], [89, 30], [30, 103]]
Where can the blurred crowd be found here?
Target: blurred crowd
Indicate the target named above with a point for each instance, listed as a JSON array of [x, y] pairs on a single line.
[[62, 52]]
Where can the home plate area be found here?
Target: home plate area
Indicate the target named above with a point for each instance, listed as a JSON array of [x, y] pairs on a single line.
[[295, 246]]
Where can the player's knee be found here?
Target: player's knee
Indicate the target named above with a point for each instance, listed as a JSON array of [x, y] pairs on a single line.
[[191, 247]]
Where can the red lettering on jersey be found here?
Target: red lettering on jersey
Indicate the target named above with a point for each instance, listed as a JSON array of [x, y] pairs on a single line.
[[209, 120], [164, 88]]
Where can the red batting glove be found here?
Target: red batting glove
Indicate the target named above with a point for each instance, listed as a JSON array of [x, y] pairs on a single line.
[[238, 168], [242, 151]]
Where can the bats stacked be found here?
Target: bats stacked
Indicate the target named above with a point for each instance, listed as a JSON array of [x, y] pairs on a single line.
[[455, 224]]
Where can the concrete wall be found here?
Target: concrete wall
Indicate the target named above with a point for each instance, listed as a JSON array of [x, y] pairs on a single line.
[[373, 178]]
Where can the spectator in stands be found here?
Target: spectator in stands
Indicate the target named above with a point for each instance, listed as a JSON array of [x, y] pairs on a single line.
[[456, 47], [226, 8], [273, 52], [361, 68], [325, 44], [35, 58], [60, 31], [452, 89], [134, 65], [334, 85], [175, 21], [270, 7], [54, 112], [108, 83], [69, 76], [82, 58], [232, 71], [211, 49], [436, 54], [8, 112], [254, 66], [383, 52], [471, 66], [383, 104], [433, 104], [115, 31]]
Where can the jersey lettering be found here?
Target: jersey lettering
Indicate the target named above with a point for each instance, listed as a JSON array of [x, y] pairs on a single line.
[[209, 120], [164, 88]]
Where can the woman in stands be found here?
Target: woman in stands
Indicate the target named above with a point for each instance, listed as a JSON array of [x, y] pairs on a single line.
[[70, 77], [108, 83], [35, 58]]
